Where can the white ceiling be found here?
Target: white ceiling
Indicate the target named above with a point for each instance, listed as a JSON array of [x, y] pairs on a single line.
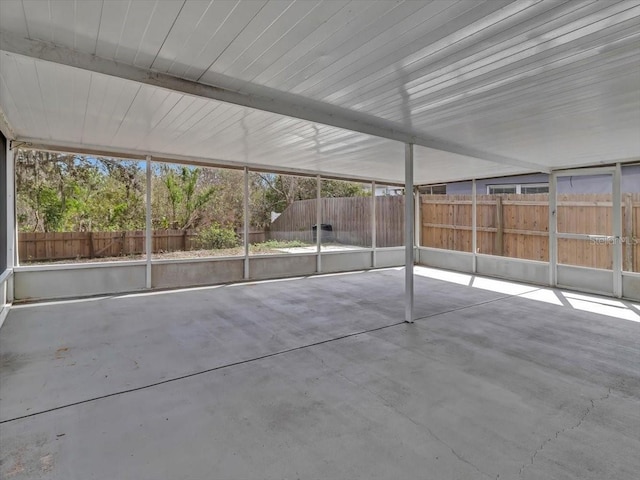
[[549, 83]]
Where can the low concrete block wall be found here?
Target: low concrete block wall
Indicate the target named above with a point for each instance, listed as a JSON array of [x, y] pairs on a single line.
[[446, 259], [585, 279], [43, 283], [528, 271], [197, 272], [6, 287], [393, 257], [261, 268], [345, 261], [631, 286]]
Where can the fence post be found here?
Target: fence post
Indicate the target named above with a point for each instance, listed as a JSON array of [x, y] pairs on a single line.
[[499, 249], [91, 249]]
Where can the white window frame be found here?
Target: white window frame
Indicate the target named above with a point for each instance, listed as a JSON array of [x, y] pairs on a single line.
[[517, 186]]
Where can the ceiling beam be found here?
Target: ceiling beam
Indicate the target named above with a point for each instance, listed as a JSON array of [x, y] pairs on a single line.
[[250, 95]]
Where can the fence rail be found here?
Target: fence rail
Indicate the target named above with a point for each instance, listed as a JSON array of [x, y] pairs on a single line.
[[350, 219], [43, 246], [518, 226], [509, 225]]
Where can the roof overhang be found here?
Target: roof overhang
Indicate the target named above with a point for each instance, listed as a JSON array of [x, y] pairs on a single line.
[[65, 97]]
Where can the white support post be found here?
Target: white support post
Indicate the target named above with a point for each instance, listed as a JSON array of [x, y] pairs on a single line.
[[474, 226], [245, 229], [318, 224], [417, 223], [617, 232], [12, 230], [148, 235], [408, 232], [374, 260], [553, 230]]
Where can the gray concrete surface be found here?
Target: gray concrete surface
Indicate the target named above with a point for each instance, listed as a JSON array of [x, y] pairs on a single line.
[[317, 378]]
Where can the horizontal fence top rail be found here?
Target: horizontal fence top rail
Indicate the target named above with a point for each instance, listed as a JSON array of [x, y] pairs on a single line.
[[517, 225]]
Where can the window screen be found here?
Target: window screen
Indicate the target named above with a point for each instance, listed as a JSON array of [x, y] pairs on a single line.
[[501, 189]]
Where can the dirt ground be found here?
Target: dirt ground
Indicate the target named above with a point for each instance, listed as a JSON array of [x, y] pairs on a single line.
[[223, 252]]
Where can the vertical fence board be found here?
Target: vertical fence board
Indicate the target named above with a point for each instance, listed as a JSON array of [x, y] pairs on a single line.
[[446, 224]]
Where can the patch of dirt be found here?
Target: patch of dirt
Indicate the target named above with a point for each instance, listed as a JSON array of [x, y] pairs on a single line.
[[223, 252], [60, 353]]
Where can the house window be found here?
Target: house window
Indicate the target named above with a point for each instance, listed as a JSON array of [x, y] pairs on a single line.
[[525, 188], [434, 190], [533, 188]]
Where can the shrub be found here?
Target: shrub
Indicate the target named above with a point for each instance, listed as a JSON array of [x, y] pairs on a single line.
[[216, 236]]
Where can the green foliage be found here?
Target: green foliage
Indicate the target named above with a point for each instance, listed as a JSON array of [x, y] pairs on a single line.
[[189, 194], [57, 192], [215, 236], [51, 207], [340, 188]]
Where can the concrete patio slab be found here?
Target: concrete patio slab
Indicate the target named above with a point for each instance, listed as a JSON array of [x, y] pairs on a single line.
[[317, 378]]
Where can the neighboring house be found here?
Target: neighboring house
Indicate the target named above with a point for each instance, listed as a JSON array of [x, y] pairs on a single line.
[[539, 183], [385, 190]]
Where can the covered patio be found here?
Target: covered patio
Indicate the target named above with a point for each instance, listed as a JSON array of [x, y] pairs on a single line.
[[401, 361]]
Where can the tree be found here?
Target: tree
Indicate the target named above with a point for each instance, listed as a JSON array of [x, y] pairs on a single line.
[[59, 192], [274, 193], [186, 196]]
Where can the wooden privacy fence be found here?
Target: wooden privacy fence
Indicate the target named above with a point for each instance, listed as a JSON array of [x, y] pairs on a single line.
[[39, 246], [350, 220], [518, 226], [509, 225], [43, 246]]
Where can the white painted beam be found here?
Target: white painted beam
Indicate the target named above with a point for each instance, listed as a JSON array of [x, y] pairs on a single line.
[[617, 231], [318, 224], [408, 233], [148, 234], [245, 221], [553, 230], [474, 226], [12, 224], [374, 260], [259, 97]]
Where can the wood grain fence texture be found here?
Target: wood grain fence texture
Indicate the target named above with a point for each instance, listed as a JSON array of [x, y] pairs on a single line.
[[350, 220], [41, 246], [518, 226], [510, 225]]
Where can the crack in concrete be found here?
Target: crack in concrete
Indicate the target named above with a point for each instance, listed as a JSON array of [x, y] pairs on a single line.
[[562, 431], [388, 404]]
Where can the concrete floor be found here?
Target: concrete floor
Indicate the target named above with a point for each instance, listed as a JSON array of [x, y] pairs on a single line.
[[317, 378]]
